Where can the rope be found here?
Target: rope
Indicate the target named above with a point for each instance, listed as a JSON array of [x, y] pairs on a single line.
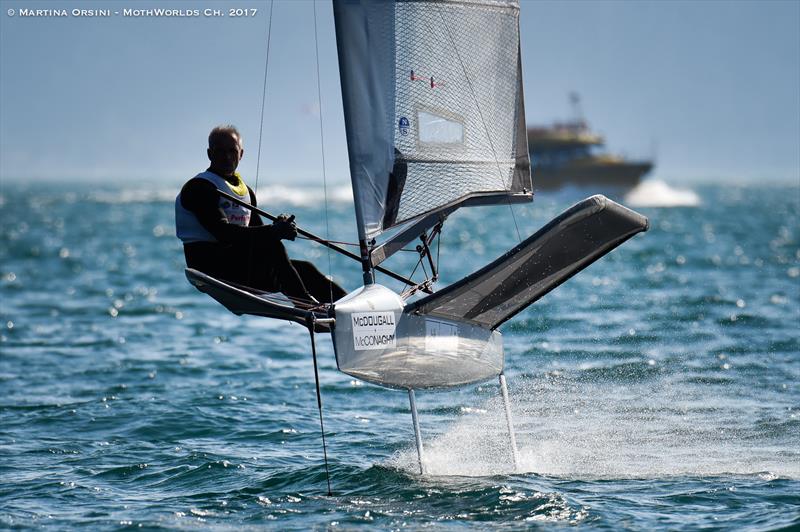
[[407, 293], [322, 150], [264, 93], [261, 128]]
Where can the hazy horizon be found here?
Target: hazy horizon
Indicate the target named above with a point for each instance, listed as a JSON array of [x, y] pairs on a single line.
[[711, 90]]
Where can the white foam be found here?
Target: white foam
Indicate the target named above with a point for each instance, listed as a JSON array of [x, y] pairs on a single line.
[[145, 194], [597, 432], [299, 196], [654, 193], [304, 196]]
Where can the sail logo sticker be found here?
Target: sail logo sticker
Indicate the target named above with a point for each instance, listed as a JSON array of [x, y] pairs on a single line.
[[427, 79], [403, 126], [374, 330]]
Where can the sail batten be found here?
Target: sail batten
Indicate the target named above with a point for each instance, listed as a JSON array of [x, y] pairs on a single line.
[[433, 106]]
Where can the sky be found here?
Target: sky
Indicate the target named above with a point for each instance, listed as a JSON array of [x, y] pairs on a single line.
[[710, 89]]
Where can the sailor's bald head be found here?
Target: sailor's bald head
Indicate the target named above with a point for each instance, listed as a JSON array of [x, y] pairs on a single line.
[[224, 150], [223, 131]]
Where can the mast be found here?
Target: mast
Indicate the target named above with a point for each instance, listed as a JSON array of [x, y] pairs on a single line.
[[361, 53]]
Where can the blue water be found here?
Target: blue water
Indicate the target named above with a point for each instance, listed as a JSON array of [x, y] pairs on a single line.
[[659, 388]]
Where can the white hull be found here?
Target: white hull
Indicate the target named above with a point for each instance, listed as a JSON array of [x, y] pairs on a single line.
[[376, 341]]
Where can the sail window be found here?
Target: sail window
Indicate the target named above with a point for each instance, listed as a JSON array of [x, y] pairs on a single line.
[[435, 129]]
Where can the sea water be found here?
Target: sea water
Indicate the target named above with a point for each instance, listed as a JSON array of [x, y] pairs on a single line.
[[656, 389]]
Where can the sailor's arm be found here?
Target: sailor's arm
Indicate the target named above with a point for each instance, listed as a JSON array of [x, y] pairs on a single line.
[[284, 225]]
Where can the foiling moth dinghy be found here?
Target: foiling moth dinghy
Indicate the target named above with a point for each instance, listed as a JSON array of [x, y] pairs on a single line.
[[435, 122]]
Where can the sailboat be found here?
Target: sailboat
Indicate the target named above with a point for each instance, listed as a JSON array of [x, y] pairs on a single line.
[[435, 122]]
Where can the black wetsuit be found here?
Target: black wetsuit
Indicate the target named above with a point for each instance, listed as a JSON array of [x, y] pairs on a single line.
[[252, 256]]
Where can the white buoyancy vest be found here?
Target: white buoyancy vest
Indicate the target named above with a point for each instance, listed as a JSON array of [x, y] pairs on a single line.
[[189, 229]]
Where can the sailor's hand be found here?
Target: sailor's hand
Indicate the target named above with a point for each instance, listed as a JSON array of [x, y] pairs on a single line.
[[285, 217], [285, 228]]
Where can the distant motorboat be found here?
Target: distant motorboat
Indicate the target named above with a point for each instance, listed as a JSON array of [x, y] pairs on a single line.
[[569, 153]]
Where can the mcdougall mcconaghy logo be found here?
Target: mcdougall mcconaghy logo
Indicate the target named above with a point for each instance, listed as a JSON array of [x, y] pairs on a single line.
[[371, 319], [373, 330]]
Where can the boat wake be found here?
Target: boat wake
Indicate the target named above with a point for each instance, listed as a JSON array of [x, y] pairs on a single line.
[[654, 193], [598, 433]]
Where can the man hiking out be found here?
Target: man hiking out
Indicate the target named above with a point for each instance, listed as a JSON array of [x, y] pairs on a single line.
[[230, 242]]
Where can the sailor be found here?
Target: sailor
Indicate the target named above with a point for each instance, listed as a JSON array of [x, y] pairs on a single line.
[[230, 242]]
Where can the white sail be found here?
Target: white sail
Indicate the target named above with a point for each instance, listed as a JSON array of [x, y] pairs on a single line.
[[433, 103]]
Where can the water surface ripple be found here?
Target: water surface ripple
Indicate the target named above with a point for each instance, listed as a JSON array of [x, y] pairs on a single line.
[[659, 388]]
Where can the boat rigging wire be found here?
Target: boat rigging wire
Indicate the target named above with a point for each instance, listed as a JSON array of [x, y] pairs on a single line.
[[340, 242], [438, 246], [322, 148], [312, 236], [424, 271], [261, 123], [354, 244], [264, 92], [413, 287], [310, 319]]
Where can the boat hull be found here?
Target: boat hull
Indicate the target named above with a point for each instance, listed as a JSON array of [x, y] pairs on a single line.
[[376, 341], [611, 174]]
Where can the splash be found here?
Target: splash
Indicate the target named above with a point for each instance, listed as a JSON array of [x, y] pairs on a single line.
[[653, 193], [579, 430]]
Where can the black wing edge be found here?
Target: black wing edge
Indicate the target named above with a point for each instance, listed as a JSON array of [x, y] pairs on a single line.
[[245, 300], [566, 245]]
